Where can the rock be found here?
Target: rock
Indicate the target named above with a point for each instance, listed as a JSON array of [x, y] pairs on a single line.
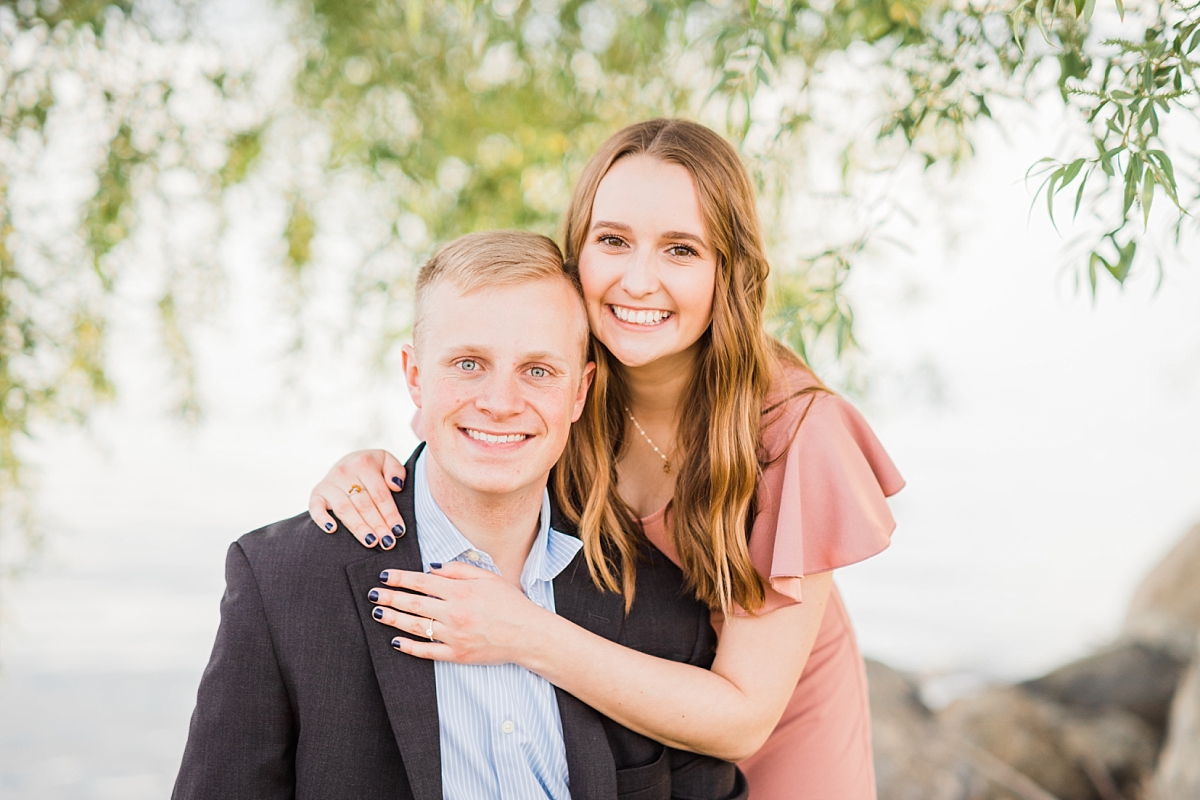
[[1178, 774], [912, 759], [1023, 732], [1074, 754], [1166, 606], [1134, 677], [916, 758]]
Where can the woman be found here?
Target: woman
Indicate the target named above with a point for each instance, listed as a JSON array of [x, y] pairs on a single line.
[[698, 428]]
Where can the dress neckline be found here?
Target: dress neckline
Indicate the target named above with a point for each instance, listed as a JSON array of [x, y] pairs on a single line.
[[656, 516]]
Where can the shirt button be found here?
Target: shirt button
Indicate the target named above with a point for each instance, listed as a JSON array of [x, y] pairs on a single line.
[[507, 726], [472, 555]]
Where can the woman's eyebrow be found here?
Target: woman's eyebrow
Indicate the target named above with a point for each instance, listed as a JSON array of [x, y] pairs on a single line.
[[691, 237], [616, 226]]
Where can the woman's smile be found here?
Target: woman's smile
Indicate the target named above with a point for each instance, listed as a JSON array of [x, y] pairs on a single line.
[[640, 317]]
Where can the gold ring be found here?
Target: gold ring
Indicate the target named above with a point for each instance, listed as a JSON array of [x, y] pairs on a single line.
[[355, 489]]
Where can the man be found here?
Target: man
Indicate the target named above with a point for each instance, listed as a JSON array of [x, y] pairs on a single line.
[[304, 695]]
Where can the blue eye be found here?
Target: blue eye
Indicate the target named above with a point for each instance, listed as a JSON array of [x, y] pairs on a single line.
[[539, 372], [468, 365]]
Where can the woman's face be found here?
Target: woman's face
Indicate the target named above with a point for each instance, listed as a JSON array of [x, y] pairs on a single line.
[[647, 267]]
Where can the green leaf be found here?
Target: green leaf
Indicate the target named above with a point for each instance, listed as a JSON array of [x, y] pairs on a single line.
[[1054, 178], [1131, 183], [1164, 161], [1120, 270], [1121, 9], [1079, 194], [1073, 170], [1089, 7], [1147, 196], [1092, 261]]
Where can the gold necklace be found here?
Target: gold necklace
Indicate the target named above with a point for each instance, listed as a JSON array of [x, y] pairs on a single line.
[[666, 461]]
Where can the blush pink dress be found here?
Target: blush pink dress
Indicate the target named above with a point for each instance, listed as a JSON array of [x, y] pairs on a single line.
[[821, 505]]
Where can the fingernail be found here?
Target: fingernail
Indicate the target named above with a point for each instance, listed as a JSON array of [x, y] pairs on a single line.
[[371, 538], [396, 643], [377, 613], [435, 565], [383, 576], [388, 541], [398, 530], [373, 595], [399, 483], [328, 526]]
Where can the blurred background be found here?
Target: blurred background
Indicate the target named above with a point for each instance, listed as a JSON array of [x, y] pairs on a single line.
[[212, 212]]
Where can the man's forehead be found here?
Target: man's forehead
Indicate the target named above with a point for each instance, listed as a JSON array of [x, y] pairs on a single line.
[[535, 317]]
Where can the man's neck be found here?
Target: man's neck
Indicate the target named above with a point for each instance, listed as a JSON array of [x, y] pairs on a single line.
[[503, 526]]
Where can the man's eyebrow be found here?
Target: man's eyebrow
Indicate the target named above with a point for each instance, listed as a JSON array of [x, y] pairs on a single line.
[[544, 355], [483, 351]]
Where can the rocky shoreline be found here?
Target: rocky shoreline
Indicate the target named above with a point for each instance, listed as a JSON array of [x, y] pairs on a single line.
[[1121, 724]]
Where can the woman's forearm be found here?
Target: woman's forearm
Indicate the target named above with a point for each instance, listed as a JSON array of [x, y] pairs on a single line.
[[653, 696], [727, 712]]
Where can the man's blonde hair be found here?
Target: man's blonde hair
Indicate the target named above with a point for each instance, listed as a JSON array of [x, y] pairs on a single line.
[[492, 259]]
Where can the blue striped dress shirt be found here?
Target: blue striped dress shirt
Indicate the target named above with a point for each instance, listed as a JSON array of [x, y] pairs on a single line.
[[500, 732]]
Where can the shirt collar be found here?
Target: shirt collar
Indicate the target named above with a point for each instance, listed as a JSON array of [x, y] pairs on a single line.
[[441, 541]]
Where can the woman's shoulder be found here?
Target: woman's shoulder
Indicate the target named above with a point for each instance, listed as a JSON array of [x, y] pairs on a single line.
[[796, 396], [822, 495], [803, 416]]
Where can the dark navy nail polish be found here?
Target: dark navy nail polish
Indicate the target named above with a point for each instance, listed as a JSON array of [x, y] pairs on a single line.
[[373, 595], [398, 530], [435, 565], [383, 576], [396, 643], [388, 541], [399, 483], [377, 613], [328, 526], [371, 539]]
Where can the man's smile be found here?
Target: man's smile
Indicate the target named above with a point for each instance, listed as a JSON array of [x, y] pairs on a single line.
[[494, 438]]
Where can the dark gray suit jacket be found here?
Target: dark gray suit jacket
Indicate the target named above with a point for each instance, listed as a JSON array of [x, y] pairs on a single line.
[[304, 696]]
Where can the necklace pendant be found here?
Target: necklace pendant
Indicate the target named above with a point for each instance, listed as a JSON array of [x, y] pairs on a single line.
[[667, 467]]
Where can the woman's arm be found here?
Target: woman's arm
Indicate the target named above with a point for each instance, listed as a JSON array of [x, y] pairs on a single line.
[[727, 712], [368, 511]]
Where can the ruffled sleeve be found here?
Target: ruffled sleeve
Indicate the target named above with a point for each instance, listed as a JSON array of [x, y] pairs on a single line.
[[822, 498]]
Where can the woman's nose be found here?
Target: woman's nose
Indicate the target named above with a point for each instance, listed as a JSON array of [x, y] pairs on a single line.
[[641, 275]]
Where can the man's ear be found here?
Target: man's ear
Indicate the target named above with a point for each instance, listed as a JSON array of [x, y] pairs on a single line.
[[585, 383], [412, 375]]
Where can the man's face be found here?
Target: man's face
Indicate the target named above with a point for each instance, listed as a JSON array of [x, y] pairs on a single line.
[[499, 377]]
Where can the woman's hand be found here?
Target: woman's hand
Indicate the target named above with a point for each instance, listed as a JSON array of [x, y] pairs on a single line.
[[359, 490], [477, 617]]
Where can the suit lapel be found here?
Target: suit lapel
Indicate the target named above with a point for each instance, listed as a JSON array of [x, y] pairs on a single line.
[[406, 683], [590, 766]]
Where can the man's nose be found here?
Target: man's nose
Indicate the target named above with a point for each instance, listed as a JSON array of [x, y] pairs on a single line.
[[641, 274], [501, 397]]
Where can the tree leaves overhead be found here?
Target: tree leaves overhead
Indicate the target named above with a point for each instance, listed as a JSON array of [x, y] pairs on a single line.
[[469, 115]]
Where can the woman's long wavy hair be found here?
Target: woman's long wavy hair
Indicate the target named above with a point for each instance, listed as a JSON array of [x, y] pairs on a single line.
[[717, 438]]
